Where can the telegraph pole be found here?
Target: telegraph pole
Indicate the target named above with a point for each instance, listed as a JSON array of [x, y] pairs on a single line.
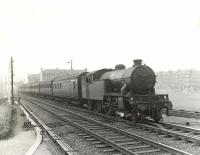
[[12, 90], [70, 63], [1, 88], [5, 88]]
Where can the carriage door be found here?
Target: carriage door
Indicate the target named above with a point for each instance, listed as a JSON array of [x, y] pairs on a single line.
[[87, 87], [51, 87], [74, 88]]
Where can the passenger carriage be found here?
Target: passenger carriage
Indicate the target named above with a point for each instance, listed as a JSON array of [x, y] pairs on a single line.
[[67, 87], [45, 88]]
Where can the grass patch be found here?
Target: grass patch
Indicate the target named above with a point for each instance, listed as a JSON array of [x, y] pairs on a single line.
[[7, 120]]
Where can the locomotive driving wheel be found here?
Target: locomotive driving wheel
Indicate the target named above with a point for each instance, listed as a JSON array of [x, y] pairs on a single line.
[[89, 105], [139, 116], [98, 107], [109, 110], [158, 115]]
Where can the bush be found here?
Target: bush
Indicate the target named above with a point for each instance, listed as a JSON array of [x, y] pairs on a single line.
[[6, 119]]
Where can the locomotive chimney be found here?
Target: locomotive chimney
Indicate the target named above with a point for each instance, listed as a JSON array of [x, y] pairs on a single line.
[[137, 62]]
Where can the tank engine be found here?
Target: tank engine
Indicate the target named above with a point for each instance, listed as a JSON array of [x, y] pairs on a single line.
[[125, 91]]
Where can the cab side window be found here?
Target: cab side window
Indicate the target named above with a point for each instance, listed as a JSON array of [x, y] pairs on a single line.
[[90, 79]]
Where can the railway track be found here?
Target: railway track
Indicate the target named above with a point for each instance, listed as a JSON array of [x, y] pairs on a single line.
[[183, 113], [179, 132], [55, 138], [107, 137]]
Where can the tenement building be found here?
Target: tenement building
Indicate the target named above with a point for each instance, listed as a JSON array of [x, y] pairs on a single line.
[[180, 79]]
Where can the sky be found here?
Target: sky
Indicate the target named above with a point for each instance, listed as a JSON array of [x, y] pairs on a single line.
[[99, 34]]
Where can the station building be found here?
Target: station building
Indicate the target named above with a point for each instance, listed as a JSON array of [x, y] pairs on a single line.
[[49, 74], [33, 78]]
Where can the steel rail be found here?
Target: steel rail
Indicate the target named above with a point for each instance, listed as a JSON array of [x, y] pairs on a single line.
[[183, 113], [145, 140], [56, 139]]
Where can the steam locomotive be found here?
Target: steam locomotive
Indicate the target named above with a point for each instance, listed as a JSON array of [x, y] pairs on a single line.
[[129, 93]]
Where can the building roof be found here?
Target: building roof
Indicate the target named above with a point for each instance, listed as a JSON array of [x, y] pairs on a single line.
[[63, 71], [33, 75]]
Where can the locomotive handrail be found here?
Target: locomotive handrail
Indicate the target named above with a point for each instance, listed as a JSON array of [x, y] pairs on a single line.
[[153, 102], [152, 95]]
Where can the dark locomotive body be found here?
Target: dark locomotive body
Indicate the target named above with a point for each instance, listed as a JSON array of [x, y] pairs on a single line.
[[129, 92]]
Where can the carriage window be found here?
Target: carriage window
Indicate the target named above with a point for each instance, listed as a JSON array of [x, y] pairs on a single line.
[[60, 86], [90, 79], [83, 81]]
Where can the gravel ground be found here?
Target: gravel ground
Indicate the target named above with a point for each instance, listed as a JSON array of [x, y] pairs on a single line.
[[78, 143], [194, 123], [39, 112]]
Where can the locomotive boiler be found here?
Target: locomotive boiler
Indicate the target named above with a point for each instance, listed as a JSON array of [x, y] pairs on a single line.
[[139, 79]]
